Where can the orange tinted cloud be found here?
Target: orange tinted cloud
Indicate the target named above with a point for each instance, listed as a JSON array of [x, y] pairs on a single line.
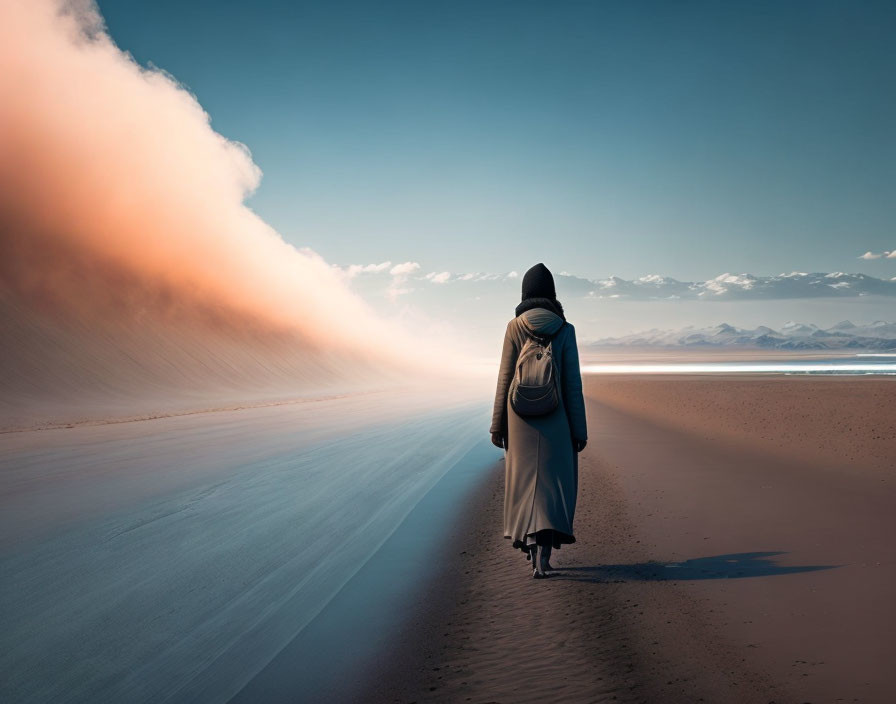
[[112, 177]]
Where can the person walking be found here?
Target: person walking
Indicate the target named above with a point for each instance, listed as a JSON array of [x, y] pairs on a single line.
[[541, 445]]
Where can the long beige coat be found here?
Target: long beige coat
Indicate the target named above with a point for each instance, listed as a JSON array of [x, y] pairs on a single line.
[[541, 464]]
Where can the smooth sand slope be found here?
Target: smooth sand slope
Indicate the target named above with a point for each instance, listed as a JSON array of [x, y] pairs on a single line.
[[66, 366], [735, 544]]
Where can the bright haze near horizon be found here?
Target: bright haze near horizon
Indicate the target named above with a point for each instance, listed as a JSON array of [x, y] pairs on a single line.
[[682, 140]]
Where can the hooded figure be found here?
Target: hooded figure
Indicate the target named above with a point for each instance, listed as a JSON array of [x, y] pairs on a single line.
[[541, 460]]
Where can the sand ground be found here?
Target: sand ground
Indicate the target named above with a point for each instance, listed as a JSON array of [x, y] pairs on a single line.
[[172, 559], [735, 544]]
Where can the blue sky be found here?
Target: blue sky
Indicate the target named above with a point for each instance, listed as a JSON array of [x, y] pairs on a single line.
[[679, 138]]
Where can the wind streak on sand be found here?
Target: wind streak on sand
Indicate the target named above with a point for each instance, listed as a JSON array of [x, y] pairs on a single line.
[[170, 560]]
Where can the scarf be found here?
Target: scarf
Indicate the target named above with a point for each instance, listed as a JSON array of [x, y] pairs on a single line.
[[551, 304]]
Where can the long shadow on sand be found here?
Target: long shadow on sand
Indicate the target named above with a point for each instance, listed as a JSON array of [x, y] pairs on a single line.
[[733, 566]]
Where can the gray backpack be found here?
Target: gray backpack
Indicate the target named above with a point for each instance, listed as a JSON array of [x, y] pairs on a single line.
[[534, 390]]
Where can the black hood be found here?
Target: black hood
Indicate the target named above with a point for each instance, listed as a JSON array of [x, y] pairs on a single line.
[[538, 282], [539, 292]]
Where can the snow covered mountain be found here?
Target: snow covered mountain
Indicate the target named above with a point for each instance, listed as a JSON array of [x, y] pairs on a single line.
[[879, 335]]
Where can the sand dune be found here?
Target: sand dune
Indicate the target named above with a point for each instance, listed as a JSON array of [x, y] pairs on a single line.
[[64, 368], [134, 280]]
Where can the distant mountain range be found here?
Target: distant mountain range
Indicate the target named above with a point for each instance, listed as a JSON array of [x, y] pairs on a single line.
[[879, 335]]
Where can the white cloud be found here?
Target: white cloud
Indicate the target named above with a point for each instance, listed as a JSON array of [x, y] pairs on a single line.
[[398, 280], [353, 270], [404, 268], [886, 254], [726, 286], [400, 273]]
